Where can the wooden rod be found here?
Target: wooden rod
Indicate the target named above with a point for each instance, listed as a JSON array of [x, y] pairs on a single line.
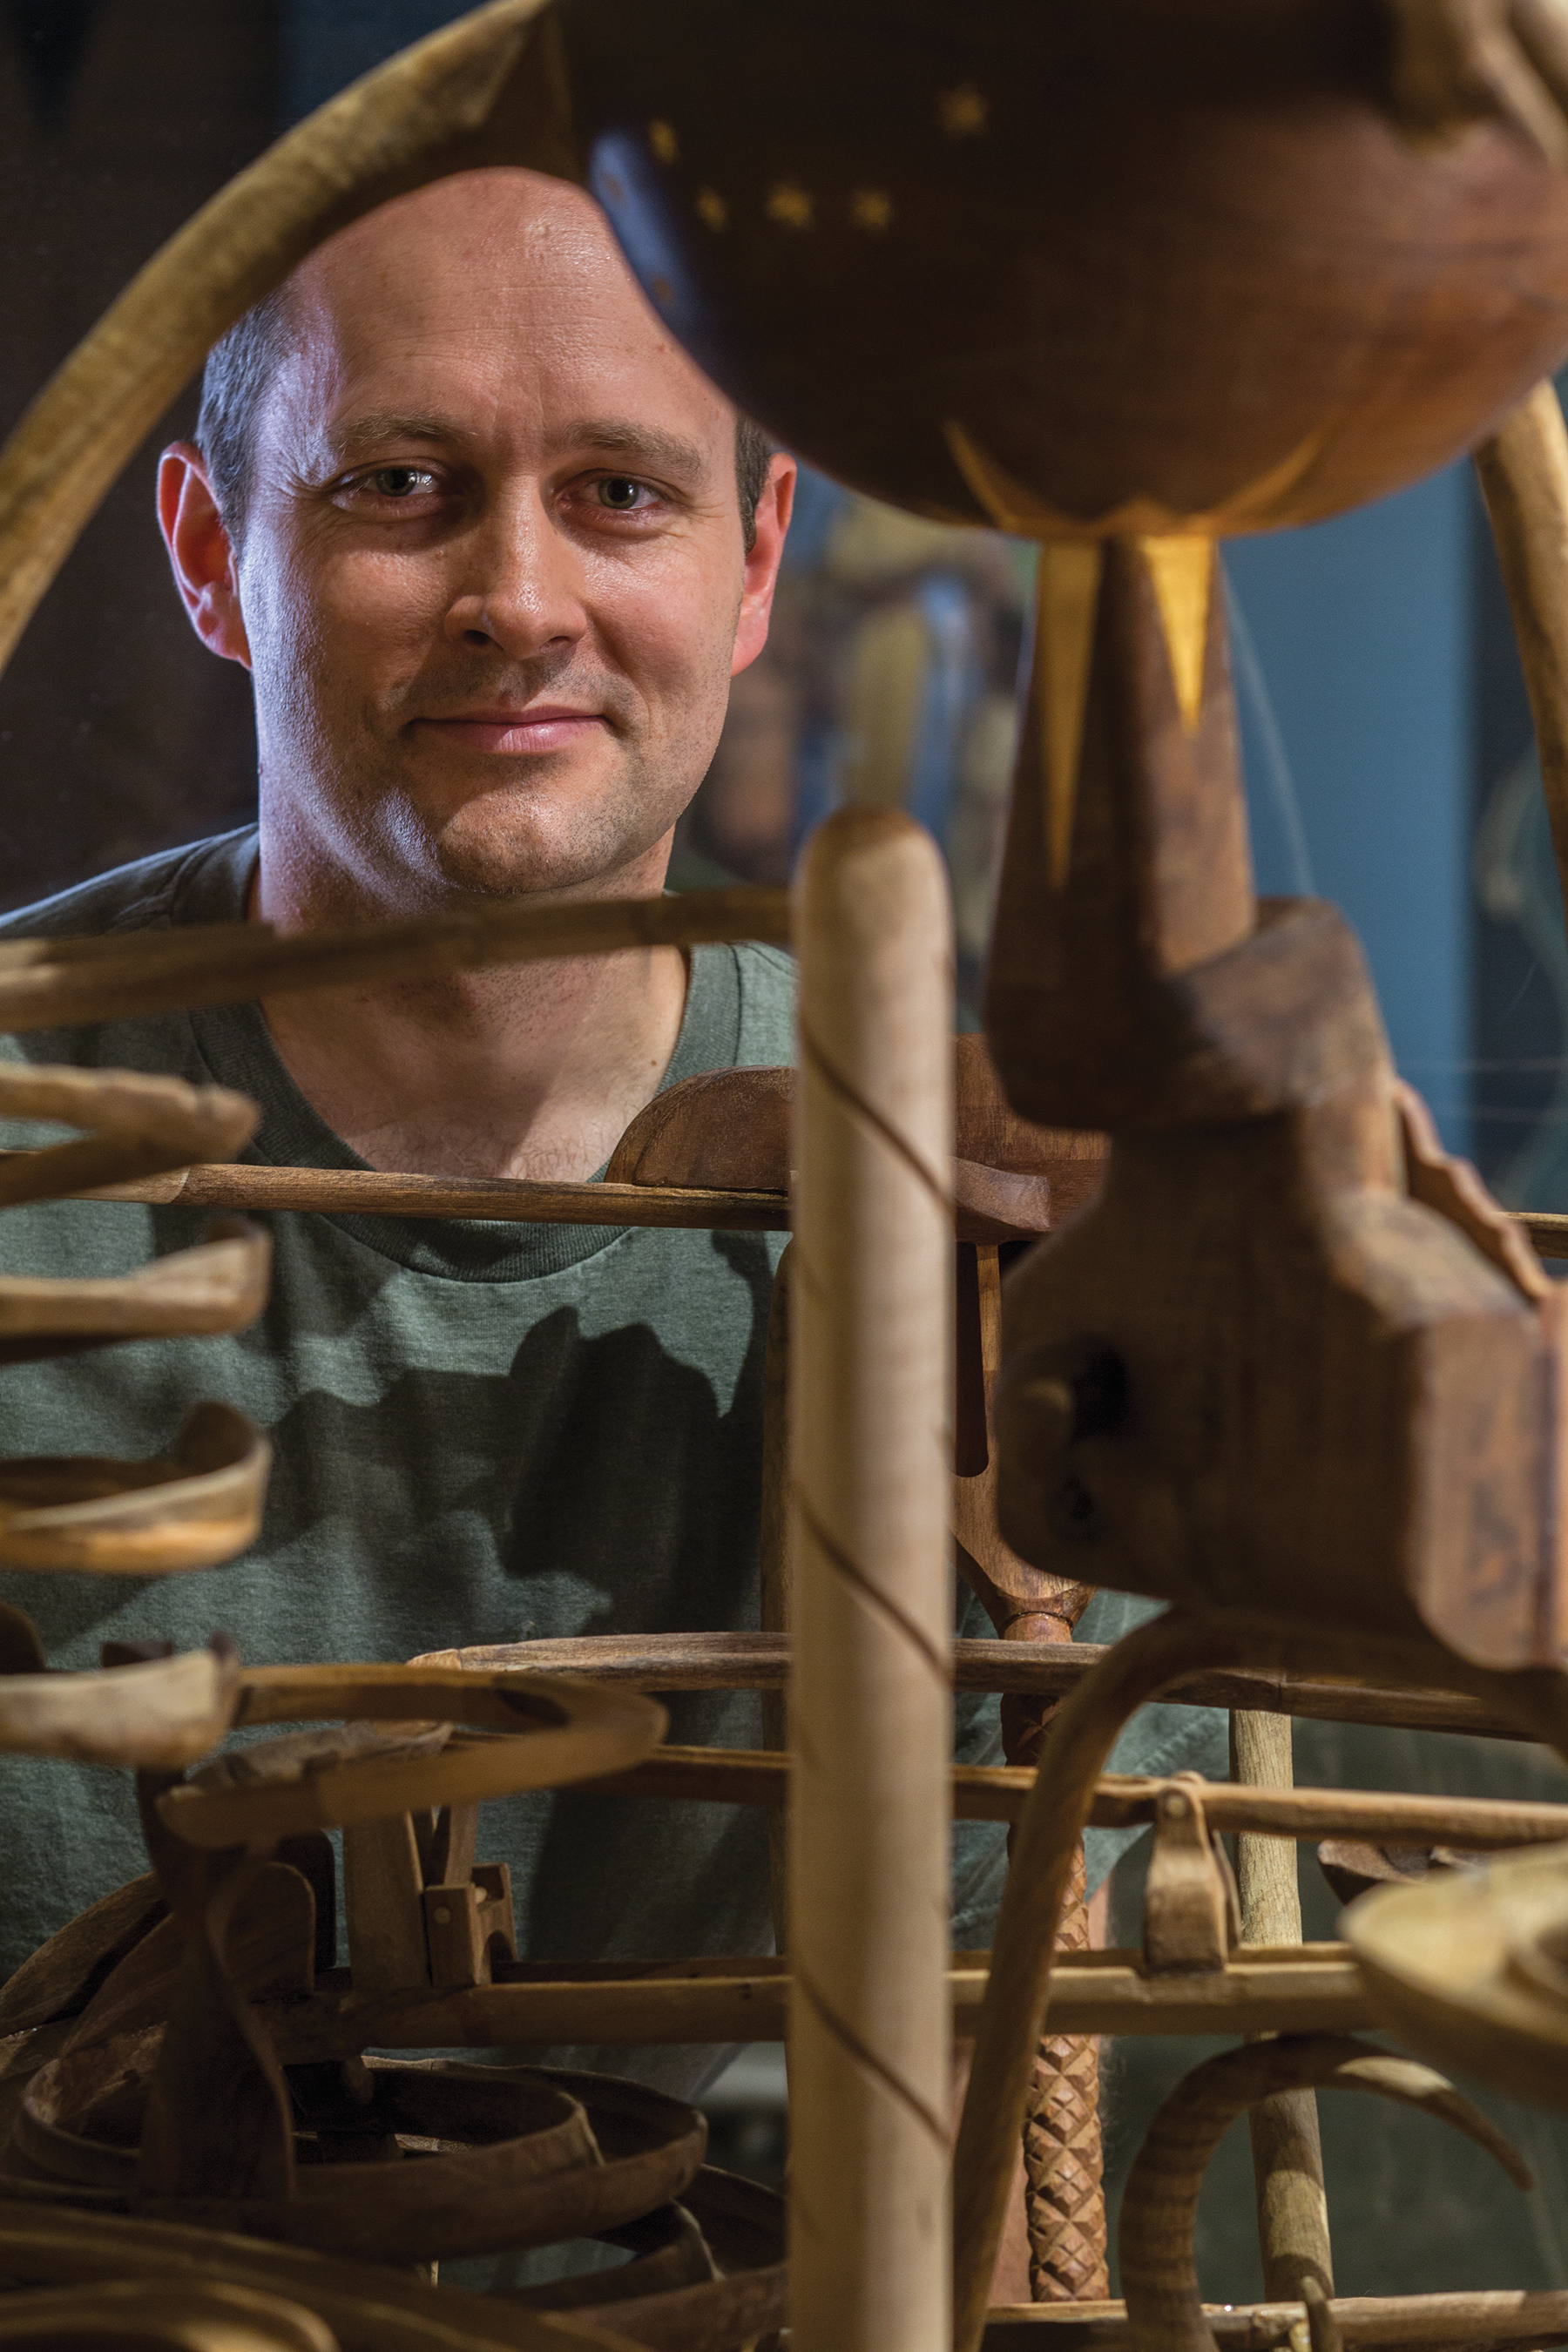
[[673, 1661], [1524, 472], [375, 1192], [1496, 2317], [378, 1193], [1318, 1988], [999, 1792], [1287, 2146], [870, 1702], [1548, 1230], [55, 983], [777, 1581]]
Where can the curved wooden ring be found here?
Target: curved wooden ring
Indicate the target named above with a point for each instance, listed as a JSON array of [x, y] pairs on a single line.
[[560, 1731], [163, 2316], [1468, 1965], [162, 1518], [159, 1717], [743, 2225], [140, 1124], [547, 2157], [1160, 2204], [218, 1286], [367, 2308], [424, 113]]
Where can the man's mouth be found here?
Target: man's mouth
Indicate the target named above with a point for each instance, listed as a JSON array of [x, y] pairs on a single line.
[[539, 726]]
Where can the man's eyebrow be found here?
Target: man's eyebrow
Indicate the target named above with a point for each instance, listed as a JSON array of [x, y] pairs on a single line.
[[359, 434], [643, 444], [594, 437]]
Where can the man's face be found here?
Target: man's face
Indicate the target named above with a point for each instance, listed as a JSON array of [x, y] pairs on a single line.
[[493, 583]]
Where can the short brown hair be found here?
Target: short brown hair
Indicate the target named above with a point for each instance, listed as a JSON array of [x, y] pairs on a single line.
[[241, 363]]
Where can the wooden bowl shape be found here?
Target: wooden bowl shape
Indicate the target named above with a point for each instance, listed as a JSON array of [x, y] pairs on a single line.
[[1121, 268], [556, 1731], [707, 2275], [367, 2307], [161, 1715], [161, 1517], [1470, 1967], [166, 2316], [218, 1286], [464, 2159]]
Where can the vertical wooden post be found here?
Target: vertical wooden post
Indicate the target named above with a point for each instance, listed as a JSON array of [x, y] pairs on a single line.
[[777, 1597], [1287, 2153], [870, 1708]]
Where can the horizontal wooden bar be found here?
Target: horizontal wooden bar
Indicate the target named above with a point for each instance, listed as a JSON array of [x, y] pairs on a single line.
[[740, 1776], [676, 1662], [1548, 1231], [382, 1192], [1306, 1989], [1497, 2316], [50, 983], [375, 1193]]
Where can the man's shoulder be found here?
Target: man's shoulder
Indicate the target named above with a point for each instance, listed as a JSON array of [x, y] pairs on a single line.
[[767, 979], [204, 881]]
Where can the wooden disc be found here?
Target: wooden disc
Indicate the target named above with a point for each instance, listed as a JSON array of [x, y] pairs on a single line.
[[557, 1731], [1470, 1967], [1107, 269]]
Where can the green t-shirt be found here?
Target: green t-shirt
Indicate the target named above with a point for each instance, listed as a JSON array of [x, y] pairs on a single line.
[[482, 1433]]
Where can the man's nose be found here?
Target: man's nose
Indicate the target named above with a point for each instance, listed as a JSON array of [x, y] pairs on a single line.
[[520, 587]]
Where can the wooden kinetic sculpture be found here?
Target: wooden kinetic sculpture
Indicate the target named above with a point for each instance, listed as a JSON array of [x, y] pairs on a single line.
[[1122, 279]]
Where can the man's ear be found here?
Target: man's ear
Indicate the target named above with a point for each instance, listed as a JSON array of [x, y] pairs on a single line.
[[763, 559], [200, 554]]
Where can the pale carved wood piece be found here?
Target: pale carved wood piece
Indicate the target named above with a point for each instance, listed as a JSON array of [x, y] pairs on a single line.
[[1287, 2145], [871, 1479], [675, 1662]]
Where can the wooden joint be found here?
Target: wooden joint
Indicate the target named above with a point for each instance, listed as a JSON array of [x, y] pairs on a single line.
[[1191, 1916], [465, 1925]]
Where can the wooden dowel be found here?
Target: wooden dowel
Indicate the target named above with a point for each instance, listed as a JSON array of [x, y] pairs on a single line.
[[57, 987], [777, 1599], [1494, 2318], [999, 1792], [1287, 2148], [1524, 472], [375, 1192], [1548, 1231], [671, 1662], [1318, 1988], [871, 1706]]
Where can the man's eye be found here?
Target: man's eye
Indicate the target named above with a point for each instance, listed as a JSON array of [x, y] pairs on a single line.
[[398, 481], [619, 492]]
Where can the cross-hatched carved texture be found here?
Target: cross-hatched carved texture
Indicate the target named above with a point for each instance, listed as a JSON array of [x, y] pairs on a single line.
[[1063, 2174], [1064, 2184]]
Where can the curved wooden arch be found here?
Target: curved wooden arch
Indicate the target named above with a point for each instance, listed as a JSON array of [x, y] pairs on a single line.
[[429, 111], [560, 1731], [1159, 2209]]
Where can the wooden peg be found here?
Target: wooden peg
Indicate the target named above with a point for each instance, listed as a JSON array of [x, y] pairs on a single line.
[[468, 1928], [1190, 1922]]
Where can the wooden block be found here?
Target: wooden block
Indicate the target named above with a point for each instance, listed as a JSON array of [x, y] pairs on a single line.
[[382, 1897], [466, 1924]]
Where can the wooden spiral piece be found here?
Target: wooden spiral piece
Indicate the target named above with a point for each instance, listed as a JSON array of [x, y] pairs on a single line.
[[1159, 2276], [870, 1704]]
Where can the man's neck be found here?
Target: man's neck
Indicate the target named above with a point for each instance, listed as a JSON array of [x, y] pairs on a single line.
[[530, 1069]]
